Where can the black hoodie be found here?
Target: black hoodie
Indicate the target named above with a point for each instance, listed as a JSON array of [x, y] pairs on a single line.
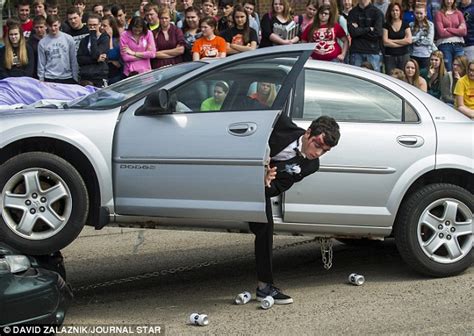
[[367, 37], [87, 55]]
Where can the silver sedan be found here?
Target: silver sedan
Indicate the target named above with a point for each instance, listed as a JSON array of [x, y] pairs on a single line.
[[167, 148]]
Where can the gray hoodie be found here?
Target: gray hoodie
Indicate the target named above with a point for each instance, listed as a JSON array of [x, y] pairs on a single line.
[[382, 5], [57, 57]]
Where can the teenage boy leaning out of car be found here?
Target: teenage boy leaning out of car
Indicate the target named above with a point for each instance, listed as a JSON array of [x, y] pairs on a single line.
[[294, 155]]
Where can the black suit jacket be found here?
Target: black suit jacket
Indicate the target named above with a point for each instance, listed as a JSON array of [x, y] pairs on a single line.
[[294, 169], [284, 133]]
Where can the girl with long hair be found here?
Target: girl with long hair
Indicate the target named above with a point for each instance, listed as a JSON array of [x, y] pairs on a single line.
[[240, 37], [335, 12], [451, 29], [278, 26], [209, 45], [191, 31], [396, 38], [412, 73], [437, 78], [422, 31], [137, 47], [266, 93], [109, 26], [306, 19], [16, 58], [460, 66], [169, 41], [324, 31]]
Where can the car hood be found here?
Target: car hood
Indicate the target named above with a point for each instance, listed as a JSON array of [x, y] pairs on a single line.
[[19, 113]]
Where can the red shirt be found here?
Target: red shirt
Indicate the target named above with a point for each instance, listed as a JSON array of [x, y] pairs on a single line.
[[327, 47], [27, 28]]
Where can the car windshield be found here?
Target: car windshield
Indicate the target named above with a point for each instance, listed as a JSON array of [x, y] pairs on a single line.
[[116, 94]]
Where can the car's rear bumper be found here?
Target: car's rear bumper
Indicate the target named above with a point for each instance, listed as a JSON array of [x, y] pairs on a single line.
[[37, 296]]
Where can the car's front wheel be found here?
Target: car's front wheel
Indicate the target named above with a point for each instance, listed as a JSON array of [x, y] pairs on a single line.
[[44, 203], [434, 230]]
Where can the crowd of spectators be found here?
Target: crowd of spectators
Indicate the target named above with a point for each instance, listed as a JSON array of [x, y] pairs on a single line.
[[427, 44]]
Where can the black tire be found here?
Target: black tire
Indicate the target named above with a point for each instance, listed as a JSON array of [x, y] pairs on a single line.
[[416, 239], [61, 197]]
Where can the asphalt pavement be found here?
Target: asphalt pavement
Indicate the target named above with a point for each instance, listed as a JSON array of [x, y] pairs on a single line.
[[159, 277]]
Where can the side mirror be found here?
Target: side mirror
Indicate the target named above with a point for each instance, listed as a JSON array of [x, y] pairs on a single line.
[[157, 102]]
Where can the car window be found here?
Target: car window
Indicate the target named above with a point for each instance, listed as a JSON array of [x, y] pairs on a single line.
[[236, 87], [118, 93], [349, 98]]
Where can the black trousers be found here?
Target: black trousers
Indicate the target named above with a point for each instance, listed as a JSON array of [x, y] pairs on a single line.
[[264, 245]]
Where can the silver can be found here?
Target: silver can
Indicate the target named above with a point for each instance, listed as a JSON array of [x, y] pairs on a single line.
[[267, 303], [356, 279], [243, 298], [198, 319]]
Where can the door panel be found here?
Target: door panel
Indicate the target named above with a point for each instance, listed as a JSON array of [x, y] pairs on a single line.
[[203, 159], [192, 165]]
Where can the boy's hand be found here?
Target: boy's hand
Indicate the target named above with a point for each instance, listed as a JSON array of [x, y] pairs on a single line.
[[270, 175]]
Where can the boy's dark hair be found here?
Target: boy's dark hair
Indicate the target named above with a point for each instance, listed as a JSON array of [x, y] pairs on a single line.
[[223, 3], [329, 127], [39, 19], [52, 19], [72, 10], [94, 16], [116, 8], [151, 6], [51, 4], [23, 3]]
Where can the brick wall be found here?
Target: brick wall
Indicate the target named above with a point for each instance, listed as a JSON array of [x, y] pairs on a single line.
[[263, 6], [130, 5]]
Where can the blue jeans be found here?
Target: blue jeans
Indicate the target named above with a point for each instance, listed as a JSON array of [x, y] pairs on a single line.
[[450, 51], [392, 62], [374, 59]]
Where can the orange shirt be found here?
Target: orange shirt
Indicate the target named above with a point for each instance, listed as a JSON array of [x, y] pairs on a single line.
[[209, 48]]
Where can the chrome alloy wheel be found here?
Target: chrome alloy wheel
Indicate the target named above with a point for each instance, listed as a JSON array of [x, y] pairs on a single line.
[[445, 230], [36, 203]]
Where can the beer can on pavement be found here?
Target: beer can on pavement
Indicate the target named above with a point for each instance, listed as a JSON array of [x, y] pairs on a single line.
[[356, 279], [243, 298], [267, 303], [198, 319]]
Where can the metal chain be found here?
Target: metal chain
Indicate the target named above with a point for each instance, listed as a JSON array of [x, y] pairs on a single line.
[[326, 251], [181, 269]]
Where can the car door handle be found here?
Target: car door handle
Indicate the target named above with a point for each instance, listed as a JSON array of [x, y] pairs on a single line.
[[242, 129], [411, 141]]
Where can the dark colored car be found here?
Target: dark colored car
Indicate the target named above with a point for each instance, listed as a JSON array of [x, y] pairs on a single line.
[[32, 289]]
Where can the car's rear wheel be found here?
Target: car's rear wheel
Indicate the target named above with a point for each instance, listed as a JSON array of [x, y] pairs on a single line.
[[434, 230], [44, 203]]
